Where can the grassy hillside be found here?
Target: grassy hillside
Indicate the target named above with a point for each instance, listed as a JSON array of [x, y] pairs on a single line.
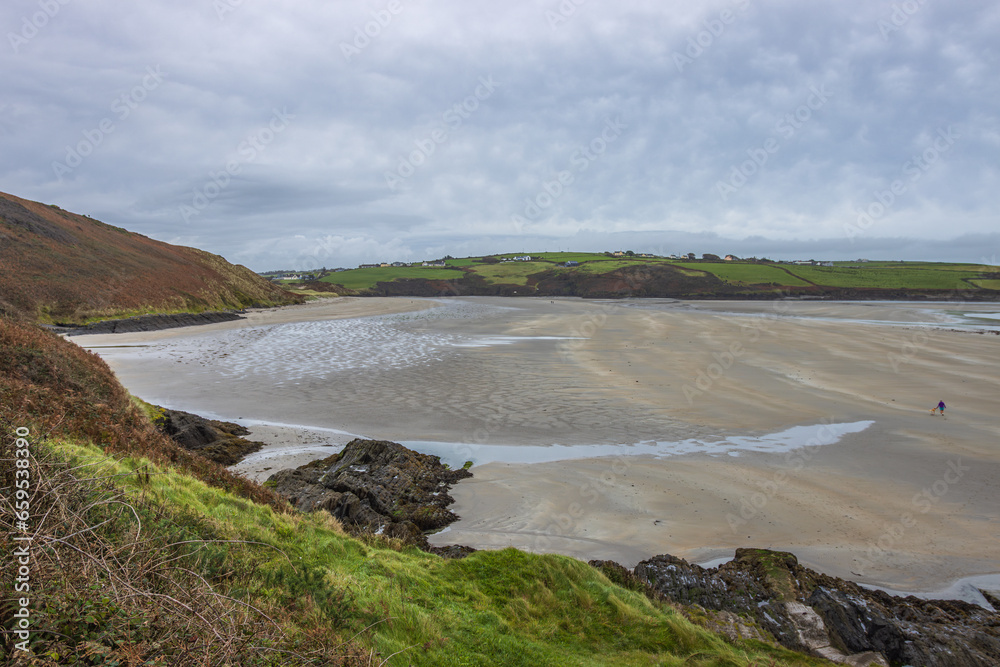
[[59, 267], [600, 275], [146, 554]]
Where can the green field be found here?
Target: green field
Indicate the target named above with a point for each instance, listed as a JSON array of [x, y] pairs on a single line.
[[843, 275], [511, 273], [559, 257], [366, 278], [747, 274], [608, 264], [889, 277]]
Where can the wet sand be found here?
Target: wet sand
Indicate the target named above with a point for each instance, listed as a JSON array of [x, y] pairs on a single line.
[[909, 502]]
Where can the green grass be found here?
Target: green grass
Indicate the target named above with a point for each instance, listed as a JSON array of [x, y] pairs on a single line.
[[559, 257], [874, 274], [607, 264], [988, 284], [511, 273], [747, 274], [936, 266], [497, 607], [366, 278], [887, 277]]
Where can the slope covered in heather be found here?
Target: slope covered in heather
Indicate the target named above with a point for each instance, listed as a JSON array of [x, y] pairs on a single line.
[[59, 267]]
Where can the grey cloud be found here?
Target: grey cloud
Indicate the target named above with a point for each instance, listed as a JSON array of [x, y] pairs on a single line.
[[324, 177]]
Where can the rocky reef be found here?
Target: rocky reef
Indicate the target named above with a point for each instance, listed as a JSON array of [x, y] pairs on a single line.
[[218, 441], [764, 594], [377, 487]]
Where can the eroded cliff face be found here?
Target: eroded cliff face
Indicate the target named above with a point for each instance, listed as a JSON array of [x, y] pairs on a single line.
[[767, 593]]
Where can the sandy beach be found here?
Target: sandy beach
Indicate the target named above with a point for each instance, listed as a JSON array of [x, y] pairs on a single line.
[[668, 418]]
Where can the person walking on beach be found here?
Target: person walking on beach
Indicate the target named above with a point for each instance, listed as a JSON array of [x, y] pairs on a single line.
[[940, 406]]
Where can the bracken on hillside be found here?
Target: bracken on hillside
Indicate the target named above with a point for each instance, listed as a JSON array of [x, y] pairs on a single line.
[[59, 267]]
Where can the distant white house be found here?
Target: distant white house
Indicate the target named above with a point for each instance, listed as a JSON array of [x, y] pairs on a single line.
[[438, 263], [520, 258], [400, 264]]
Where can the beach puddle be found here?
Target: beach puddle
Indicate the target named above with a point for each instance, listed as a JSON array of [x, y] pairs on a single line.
[[456, 454]]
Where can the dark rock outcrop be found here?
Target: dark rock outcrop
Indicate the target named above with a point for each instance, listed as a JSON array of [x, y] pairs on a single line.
[[149, 323], [218, 441], [376, 487], [828, 617]]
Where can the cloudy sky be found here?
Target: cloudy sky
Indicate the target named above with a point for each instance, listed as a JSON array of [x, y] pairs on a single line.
[[294, 135]]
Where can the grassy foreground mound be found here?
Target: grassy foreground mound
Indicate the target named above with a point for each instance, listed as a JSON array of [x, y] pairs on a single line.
[[63, 268], [142, 554]]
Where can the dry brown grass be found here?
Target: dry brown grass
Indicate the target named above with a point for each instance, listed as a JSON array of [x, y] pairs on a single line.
[[60, 389], [115, 581], [57, 266]]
